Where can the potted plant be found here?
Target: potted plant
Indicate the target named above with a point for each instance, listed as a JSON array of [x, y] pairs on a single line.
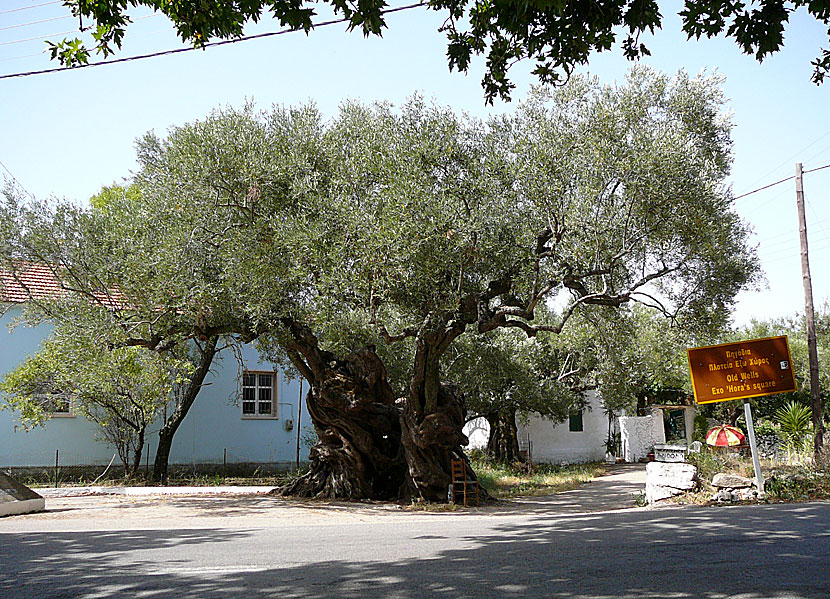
[[611, 449]]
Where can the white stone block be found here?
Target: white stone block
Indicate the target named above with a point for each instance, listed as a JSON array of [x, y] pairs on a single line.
[[731, 481], [664, 480]]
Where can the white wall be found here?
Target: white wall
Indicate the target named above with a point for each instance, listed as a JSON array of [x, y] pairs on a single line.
[[554, 443], [639, 434], [478, 432]]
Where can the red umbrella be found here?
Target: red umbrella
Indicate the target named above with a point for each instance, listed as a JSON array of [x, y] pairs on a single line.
[[724, 436]]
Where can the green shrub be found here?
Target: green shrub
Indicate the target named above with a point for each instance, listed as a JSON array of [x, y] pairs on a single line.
[[766, 427], [708, 463], [701, 426], [795, 425], [802, 485]]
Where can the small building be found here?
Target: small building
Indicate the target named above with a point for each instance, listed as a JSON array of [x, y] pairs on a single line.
[[247, 411], [582, 436]]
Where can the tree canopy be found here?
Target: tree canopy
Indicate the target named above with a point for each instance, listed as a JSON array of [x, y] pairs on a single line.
[[557, 36], [405, 227]]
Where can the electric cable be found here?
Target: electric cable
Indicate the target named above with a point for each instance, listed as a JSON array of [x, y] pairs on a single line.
[[5, 12], [812, 170], [202, 47]]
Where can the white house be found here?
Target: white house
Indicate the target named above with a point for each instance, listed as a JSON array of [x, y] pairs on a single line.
[[581, 437]]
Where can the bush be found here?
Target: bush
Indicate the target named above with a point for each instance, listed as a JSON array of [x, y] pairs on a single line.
[[801, 485], [701, 427], [795, 425], [766, 427], [710, 463]]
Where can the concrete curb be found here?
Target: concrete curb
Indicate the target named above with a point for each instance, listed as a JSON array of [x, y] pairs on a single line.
[[151, 491], [13, 508]]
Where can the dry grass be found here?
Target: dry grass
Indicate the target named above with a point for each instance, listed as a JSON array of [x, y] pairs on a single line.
[[506, 481]]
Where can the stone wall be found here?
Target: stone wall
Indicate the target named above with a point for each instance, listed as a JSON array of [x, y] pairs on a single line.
[[769, 446], [638, 434], [665, 480]]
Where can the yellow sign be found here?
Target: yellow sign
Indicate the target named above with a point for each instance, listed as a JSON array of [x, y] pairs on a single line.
[[739, 370]]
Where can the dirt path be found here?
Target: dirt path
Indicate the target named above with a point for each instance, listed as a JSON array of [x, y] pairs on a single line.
[[149, 508]]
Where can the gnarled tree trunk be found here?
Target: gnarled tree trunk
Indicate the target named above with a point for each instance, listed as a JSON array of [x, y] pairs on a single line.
[[432, 416], [431, 440], [352, 408]]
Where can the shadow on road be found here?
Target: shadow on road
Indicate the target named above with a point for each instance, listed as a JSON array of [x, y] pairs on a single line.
[[747, 552]]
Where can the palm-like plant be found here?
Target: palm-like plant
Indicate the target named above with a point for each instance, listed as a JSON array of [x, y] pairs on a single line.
[[795, 421]]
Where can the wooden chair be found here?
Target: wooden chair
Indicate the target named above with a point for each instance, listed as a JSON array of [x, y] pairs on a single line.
[[462, 487]]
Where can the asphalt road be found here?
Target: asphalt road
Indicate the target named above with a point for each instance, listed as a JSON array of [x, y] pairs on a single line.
[[771, 551]]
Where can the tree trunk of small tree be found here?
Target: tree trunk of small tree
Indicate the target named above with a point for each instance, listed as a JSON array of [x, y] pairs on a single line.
[[160, 465], [641, 404], [503, 443], [352, 408], [137, 451]]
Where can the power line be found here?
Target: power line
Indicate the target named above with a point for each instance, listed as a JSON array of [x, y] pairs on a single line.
[[5, 12], [39, 37], [743, 195], [190, 49], [19, 25], [48, 35], [817, 222], [21, 57], [799, 152], [818, 168], [5, 168]]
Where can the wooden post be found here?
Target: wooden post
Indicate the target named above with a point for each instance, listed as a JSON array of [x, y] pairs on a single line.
[[815, 396]]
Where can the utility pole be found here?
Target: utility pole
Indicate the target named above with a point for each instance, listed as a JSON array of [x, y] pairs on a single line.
[[815, 391]]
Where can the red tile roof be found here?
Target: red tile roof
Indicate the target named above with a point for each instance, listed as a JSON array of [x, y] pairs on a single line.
[[34, 280]]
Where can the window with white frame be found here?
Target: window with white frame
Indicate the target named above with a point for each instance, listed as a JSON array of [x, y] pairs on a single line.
[[56, 404], [259, 391]]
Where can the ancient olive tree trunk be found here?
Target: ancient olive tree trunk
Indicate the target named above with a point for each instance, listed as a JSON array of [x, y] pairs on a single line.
[[431, 440], [432, 417], [352, 408]]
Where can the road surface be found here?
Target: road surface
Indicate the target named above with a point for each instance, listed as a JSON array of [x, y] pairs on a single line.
[[262, 547]]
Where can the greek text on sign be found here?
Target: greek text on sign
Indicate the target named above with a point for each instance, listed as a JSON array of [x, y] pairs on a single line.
[[740, 370]]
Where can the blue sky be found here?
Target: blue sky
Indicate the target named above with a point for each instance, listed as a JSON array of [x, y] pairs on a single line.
[[69, 133]]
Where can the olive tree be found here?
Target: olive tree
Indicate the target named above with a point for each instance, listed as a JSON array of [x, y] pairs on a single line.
[[588, 195], [385, 234]]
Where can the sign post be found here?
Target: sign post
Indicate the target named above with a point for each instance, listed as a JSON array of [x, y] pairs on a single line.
[[753, 446], [739, 371]]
